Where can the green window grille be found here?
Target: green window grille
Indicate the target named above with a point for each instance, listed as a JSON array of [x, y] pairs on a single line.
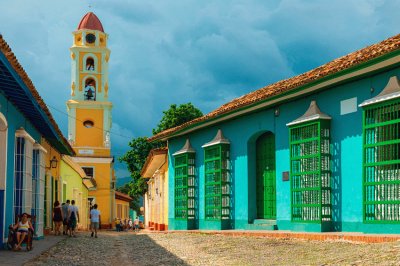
[[217, 182], [310, 174], [185, 186], [381, 162]]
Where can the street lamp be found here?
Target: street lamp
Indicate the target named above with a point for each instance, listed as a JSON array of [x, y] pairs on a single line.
[[53, 163]]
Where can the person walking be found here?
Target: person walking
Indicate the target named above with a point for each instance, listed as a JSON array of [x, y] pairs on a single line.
[[136, 224], [73, 218], [94, 220], [57, 218], [65, 207]]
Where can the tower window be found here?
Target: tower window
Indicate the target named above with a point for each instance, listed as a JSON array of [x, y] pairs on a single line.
[[89, 171], [90, 64], [88, 124], [90, 90]]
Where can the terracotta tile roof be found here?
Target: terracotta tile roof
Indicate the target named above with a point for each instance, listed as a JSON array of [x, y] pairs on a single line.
[[122, 196], [91, 22], [6, 50], [345, 62]]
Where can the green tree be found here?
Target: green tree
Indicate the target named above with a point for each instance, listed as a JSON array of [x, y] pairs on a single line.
[[177, 115], [140, 147], [127, 189]]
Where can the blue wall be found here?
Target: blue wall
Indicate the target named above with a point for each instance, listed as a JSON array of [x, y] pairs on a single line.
[[346, 139], [15, 120]]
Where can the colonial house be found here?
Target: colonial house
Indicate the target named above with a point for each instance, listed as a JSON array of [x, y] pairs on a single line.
[[155, 170], [122, 201], [75, 185], [27, 133], [316, 152]]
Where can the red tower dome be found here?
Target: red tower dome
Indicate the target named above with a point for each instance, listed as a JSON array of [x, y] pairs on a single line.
[[90, 22]]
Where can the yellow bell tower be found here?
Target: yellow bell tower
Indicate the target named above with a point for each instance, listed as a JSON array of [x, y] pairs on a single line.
[[89, 110]]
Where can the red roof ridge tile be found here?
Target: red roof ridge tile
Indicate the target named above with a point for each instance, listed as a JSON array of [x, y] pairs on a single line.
[[342, 63], [122, 196]]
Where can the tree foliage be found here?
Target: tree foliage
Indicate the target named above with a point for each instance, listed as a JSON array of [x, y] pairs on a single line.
[[127, 189], [177, 115], [140, 148]]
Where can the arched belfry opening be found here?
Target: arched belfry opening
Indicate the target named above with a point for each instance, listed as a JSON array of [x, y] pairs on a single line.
[[90, 66], [90, 90]]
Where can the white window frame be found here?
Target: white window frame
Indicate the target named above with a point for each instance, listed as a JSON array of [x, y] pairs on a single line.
[[26, 187], [40, 189]]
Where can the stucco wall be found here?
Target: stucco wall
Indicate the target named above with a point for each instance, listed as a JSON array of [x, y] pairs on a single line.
[[75, 190], [346, 140], [15, 120]]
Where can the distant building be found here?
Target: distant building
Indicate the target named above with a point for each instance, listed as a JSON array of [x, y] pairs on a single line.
[[316, 152], [89, 109], [122, 205]]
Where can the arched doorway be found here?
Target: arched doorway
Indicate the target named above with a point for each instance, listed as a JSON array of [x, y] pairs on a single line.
[[265, 176]]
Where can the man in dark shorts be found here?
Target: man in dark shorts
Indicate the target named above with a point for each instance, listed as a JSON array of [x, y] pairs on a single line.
[[73, 218], [94, 220], [64, 208]]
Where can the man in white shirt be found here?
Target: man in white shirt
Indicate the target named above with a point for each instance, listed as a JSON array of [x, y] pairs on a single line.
[[94, 220]]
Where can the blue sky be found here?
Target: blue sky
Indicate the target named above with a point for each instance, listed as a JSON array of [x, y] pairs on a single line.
[[204, 52]]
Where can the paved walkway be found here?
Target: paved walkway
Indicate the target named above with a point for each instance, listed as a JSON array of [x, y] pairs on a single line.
[[150, 248], [20, 257]]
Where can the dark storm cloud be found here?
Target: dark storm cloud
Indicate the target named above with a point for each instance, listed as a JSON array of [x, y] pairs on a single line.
[[204, 52]]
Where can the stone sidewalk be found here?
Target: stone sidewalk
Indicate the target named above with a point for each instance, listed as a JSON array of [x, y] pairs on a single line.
[[21, 257], [188, 248]]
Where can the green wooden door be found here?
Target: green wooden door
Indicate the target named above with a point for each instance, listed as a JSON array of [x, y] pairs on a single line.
[[265, 171]]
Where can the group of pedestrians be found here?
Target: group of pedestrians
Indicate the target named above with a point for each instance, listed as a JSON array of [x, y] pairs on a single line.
[[66, 215], [127, 224]]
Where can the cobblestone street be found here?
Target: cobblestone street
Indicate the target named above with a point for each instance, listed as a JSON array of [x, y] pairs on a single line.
[[112, 248]]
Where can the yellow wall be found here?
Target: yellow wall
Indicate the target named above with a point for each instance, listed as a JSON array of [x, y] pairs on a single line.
[[81, 63], [78, 39], [165, 196], [75, 190], [52, 175], [104, 196], [157, 203], [91, 137], [122, 211]]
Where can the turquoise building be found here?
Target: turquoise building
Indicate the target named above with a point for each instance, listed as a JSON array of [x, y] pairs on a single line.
[[25, 122], [317, 152]]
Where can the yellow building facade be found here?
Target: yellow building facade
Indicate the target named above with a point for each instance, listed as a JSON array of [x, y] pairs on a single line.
[[122, 206], [156, 198], [64, 179], [89, 112], [75, 186], [52, 180]]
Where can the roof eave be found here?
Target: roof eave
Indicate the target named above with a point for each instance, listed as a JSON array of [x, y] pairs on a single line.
[[388, 60]]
